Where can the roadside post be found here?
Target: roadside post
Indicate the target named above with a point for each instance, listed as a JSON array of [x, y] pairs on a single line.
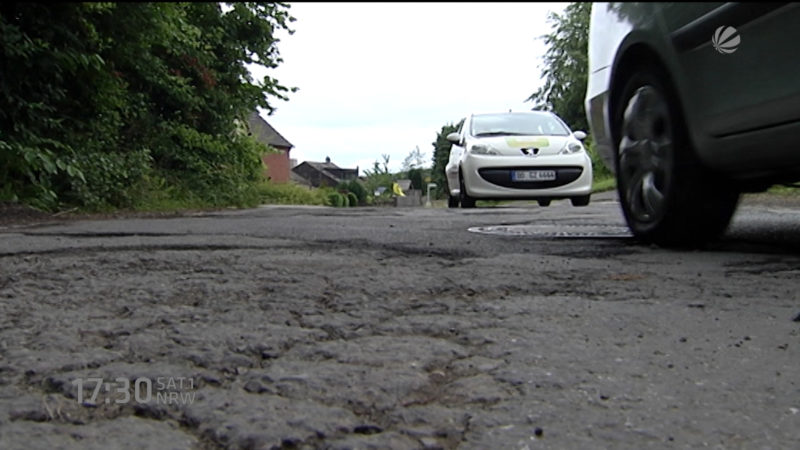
[[428, 202]]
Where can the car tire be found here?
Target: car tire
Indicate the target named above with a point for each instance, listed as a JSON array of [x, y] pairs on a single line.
[[667, 196], [452, 201], [464, 198], [583, 200], [544, 202]]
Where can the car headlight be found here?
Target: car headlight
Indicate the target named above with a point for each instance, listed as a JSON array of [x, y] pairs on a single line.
[[570, 148], [479, 149]]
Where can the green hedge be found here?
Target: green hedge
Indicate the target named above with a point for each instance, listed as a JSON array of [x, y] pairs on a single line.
[[291, 194], [335, 199], [353, 200]]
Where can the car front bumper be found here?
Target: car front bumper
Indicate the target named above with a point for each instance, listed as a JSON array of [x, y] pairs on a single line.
[[489, 177]]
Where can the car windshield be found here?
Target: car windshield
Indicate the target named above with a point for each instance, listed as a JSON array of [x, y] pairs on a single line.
[[523, 124]]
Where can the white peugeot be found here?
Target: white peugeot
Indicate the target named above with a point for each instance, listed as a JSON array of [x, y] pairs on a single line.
[[531, 155]]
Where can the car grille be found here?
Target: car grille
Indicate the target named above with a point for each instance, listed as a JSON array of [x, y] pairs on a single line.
[[502, 177]]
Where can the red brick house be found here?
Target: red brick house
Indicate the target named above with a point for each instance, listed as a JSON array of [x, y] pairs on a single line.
[[278, 164]]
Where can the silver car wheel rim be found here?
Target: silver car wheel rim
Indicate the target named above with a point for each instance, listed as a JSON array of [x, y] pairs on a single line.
[[646, 154]]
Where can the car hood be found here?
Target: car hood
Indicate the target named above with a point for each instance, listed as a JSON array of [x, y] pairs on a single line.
[[521, 145]]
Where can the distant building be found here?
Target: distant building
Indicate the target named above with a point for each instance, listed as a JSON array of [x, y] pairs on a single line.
[[278, 164], [318, 174]]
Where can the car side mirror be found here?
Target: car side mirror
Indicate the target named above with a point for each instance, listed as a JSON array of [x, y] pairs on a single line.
[[579, 135], [454, 138]]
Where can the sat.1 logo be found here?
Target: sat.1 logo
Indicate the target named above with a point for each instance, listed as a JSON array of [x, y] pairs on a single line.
[[726, 40]]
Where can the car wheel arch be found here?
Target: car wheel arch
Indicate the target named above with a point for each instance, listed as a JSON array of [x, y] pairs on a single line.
[[634, 57]]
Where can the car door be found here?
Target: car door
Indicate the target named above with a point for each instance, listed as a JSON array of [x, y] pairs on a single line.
[[738, 82]]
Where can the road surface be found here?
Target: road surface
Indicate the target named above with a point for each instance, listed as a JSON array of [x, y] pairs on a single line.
[[309, 327]]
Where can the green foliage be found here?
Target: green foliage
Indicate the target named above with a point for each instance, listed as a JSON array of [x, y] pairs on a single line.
[[291, 194], [353, 187], [352, 199], [441, 156], [98, 100], [164, 192], [336, 199], [599, 168], [109, 178], [358, 189], [565, 66], [379, 176], [603, 184], [784, 190], [416, 177], [221, 169], [345, 200]]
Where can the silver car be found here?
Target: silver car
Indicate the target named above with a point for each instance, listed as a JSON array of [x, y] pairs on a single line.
[[692, 104]]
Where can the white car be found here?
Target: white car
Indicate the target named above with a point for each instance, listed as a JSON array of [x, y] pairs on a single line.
[[531, 155]]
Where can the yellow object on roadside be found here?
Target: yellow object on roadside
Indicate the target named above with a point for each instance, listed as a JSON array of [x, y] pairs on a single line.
[[396, 189]]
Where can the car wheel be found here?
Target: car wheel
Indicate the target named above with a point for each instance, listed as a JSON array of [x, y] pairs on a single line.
[[668, 197], [583, 200], [452, 202], [464, 198], [544, 202]]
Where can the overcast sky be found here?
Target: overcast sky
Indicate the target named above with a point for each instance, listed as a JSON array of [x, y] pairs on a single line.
[[379, 78]]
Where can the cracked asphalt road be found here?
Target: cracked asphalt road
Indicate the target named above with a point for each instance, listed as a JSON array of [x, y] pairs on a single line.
[[306, 327]]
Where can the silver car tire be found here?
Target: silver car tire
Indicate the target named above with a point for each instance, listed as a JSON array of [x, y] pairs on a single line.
[[668, 197]]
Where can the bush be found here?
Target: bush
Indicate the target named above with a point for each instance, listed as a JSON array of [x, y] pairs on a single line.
[[415, 175], [165, 192], [359, 190], [335, 199], [109, 179], [599, 169], [345, 200], [352, 199], [291, 194]]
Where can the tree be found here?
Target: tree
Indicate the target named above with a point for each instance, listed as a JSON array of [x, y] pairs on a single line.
[[378, 176], [565, 66], [416, 176], [441, 155], [102, 101], [414, 160]]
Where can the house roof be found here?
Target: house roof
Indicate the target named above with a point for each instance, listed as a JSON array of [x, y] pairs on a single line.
[[327, 169], [322, 168], [264, 132], [322, 165], [299, 179]]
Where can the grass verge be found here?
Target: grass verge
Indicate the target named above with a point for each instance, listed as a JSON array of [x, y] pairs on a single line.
[[603, 184]]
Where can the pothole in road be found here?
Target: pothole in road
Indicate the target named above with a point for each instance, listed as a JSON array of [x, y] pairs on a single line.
[[556, 231]]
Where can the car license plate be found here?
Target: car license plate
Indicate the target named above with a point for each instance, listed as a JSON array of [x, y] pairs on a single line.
[[533, 175]]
